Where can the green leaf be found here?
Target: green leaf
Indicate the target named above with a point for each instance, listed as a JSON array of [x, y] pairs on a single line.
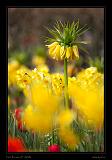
[[77, 25], [82, 42], [83, 49], [66, 33], [82, 31]]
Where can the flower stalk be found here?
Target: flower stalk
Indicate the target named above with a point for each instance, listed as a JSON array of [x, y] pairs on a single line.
[[34, 141], [14, 127], [66, 84]]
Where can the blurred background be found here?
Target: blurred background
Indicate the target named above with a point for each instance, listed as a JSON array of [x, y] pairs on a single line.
[[26, 27]]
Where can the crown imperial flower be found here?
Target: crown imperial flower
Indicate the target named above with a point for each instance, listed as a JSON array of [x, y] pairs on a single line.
[[65, 44]]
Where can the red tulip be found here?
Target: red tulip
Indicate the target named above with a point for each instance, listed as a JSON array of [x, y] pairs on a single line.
[[21, 126], [16, 145], [54, 148], [18, 112]]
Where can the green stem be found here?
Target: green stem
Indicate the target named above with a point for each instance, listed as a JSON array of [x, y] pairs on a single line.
[[52, 137], [66, 84], [14, 127], [34, 141], [93, 141]]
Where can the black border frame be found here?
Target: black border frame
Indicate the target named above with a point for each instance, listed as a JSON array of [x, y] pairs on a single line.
[[107, 80]]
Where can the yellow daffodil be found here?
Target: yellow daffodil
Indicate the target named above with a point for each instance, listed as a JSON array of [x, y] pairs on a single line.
[[43, 98], [9, 102], [38, 60], [57, 81], [13, 66], [65, 117], [87, 92], [69, 138], [36, 121], [43, 68], [23, 76]]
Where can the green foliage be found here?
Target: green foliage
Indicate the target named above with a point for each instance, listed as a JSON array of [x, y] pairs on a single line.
[[79, 62], [97, 62], [40, 51], [21, 56], [67, 34], [91, 141]]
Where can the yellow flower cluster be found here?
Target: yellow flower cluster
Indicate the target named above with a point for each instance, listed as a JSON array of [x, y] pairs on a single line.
[[65, 117], [90, 77], [9, 102], [65, 133], [44, 92], [40, 64], [43, 99], [38, 60], [68, 137], [87, 92], [47, 108], [13, 66], [44, 106], [23, 77], [57, 81], [47, 113], [35, 121], [26, 77], [43, 68], [58, 52]]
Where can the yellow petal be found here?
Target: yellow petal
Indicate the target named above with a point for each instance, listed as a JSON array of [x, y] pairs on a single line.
[[56, 52], [76, 52], [68, 52], [51, 50], [62, 52], [68, 137], [65, 117], [52, 45], [71, 53]]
